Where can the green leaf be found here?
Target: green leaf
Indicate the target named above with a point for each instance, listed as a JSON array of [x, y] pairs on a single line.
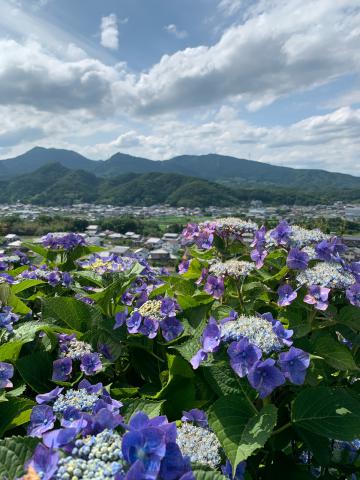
[[334, 353], [239, 430], [328, 412], [10, 351], [150, 407], [5, 292], [14, 413], [18, 305], [222, 379], [208, 475], [14, 453], [349, 316], [75, 314], [24, 285], [36, 370]]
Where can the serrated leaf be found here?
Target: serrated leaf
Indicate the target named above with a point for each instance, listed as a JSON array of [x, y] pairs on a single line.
[[14, 452], [75, 314], [241, 431], [329, 412], [150, 407], [222, 379]]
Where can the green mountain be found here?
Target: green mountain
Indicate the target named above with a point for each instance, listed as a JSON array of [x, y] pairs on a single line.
[[229, 171], [55, 184]]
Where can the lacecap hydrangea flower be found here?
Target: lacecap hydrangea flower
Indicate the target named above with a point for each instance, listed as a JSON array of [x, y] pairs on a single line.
[[151, 316], [63, 241]]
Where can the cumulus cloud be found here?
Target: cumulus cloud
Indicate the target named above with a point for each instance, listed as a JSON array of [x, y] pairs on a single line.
[[174, 30], [110, 32], [272, 54], [31, 75]]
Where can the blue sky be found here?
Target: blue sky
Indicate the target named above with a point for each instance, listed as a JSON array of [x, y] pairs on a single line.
[[273, 80]]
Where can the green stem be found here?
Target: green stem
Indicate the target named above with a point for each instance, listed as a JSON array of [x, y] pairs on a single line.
[[281, 429]]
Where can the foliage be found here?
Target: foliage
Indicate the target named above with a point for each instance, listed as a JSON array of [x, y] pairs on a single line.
[[275, 376]]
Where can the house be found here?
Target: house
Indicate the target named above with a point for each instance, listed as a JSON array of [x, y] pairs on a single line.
[[171, 237], [153, 242], [11, 237], [119, 249], [92, 229], [159, 255]]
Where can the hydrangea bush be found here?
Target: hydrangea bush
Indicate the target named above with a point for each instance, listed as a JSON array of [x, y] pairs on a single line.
[[242, 365]]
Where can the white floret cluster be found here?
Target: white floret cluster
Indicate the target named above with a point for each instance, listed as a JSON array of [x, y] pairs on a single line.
[[76, 349], [301, 237], [152, 309], [80, 399], [199, 444], [232, 268], [234, 226], [257, 330], [326, 274]]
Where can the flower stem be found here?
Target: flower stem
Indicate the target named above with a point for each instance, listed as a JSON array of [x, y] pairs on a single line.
[[281, 429]]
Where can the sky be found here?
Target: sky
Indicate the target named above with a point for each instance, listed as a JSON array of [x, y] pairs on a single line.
[[276, 81]]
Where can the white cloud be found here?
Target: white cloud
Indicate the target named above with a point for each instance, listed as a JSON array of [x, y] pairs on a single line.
[[174, 30], [110, 32], [273, 54]]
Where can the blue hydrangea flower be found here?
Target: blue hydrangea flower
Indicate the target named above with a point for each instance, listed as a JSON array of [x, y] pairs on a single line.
[[286, 295], [297, 259], [210, 341], [48, 397], [62, 369], [196, 416], [90, 363], [8, 318], [42, 419], [281, 234], [214, 286], [318, 296], [265, 377], [6, 372], [243, 355], [294, 364], [353, 294], [44, 461]]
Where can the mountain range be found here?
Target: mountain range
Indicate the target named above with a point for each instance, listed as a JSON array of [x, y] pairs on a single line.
[[55, 176]]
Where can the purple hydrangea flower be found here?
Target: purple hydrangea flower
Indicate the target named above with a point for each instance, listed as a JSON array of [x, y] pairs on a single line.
[[168, 307], [48, 397], [214, 286], [171, 328], [66, 242], [62, 369], [134, 322], [283, 334], [202, 278], [294, 364], [243, 355], [297, 260], [353, 294], [146, 446], [196, 416], [42, 420], [210, 341], [258, 256], [354, 268], [149, 327], [286, 295], [44, 461], [59, 438], [265, 377], [67, 279], [6, 372], [120, 318], [8, 318], [184, 266], [318, 296], [90, 363], [281, 233]]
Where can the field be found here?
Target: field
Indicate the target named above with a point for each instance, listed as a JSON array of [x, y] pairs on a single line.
[[242, 365]]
